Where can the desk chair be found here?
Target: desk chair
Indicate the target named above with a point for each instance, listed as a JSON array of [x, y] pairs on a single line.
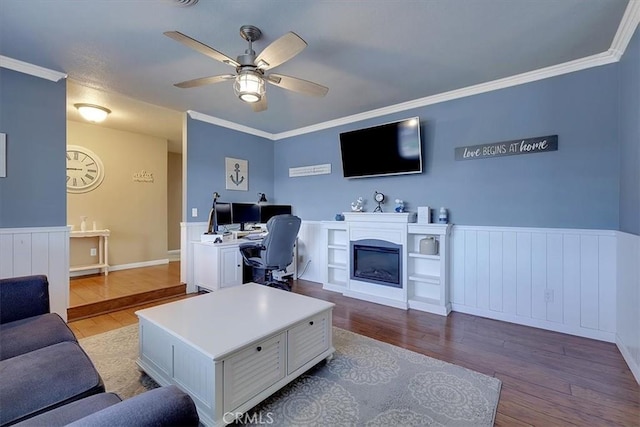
[[275, 252]]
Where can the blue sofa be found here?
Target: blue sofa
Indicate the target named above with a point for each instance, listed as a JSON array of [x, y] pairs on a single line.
[[46, 378]]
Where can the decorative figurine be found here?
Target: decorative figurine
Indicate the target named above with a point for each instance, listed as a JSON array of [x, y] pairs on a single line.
[[358, 205], [399, 205]]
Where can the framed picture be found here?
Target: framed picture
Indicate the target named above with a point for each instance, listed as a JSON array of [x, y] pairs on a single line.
[[237, 174], [3, 155]]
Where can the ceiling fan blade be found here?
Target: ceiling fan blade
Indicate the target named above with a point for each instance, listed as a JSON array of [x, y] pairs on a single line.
[[201, 47], [297, 85], [260, 105], [204, 81], [281, 50]]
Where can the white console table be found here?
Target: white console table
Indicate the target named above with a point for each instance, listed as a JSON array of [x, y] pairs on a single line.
[[103, 250]]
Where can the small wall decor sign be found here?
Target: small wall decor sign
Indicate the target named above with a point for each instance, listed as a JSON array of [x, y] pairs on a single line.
[[237, 174], [143, 176], [310, 170], [538, 144]]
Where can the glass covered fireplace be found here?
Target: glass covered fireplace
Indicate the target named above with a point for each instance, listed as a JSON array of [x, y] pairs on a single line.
[[376, 261]]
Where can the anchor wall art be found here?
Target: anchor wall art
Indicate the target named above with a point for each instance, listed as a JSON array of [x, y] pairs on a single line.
[[237, 171]]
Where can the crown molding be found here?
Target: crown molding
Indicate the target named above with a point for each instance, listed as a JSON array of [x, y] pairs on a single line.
[[227, 124], [626, 29], [33, 70], [528, 77]]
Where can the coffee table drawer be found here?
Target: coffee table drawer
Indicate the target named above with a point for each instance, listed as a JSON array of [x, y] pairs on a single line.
[[307, 339], [252, 370]]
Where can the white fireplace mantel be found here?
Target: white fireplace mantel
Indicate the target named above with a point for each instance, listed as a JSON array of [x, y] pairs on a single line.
[[387, 217], [423, 276]]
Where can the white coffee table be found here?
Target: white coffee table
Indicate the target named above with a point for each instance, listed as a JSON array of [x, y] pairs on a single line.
[[233, 348]]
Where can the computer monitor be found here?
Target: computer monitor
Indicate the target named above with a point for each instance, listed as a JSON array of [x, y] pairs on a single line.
[[223, 214], [245, 213], [267, 211]]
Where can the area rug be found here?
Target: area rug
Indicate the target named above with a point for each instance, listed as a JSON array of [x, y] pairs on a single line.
[[367, 383]]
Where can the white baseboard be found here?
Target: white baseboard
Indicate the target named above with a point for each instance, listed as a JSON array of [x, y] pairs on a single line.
[[536, 323], [631, 362], [173, 255], [121, 267]]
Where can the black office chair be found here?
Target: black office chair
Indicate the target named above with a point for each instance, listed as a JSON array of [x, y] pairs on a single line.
[[275, 252]]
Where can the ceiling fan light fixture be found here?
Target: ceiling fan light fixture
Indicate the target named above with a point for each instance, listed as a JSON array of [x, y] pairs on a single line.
[[249, 86], [92, 113]]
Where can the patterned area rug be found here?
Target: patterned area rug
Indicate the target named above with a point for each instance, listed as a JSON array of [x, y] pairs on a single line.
[[367, 383]]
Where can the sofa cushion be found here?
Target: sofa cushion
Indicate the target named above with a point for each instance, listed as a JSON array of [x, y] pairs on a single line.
[[22, 297], [22, 336], [44, 379], [71, 412], [161, 407]]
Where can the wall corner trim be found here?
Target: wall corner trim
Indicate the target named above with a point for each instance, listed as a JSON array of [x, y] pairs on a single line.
[[628, 24], [33, 70], [230, 125]]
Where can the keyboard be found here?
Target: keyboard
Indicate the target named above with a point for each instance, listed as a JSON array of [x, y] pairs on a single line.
[[254, 236]]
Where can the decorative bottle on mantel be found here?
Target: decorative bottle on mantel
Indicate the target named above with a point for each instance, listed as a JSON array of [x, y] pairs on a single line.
[[83, 223], [443, 218]]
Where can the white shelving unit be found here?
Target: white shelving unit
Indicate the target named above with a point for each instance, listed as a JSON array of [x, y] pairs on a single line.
[[337, 247], [428, 275]]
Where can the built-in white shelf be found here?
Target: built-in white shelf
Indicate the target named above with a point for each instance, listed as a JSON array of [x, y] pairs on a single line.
[[425, 283]]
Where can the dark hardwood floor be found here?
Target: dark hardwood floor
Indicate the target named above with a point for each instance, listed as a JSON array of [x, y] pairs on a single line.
[[548, 378]]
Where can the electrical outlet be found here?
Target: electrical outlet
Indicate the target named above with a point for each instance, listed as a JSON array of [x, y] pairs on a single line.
[[94, 252], [300, 259], [548, 295], [194, 212]]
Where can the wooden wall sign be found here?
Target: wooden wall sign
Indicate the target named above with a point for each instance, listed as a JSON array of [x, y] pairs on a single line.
[[508, 148]]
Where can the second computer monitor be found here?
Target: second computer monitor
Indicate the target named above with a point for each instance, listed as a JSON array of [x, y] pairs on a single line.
[[268, 211], [245, 213], [223, 214]]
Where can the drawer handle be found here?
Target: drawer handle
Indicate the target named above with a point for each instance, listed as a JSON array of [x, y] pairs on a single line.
[[259, 348], [311, 323]]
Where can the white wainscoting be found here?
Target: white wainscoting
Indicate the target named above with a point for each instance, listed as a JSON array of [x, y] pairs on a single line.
[[628, 307], [39, 250], [310, 251], [506, 273], [189, 232]]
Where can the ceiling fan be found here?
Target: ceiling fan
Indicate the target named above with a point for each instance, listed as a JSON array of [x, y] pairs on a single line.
[[250, 77]]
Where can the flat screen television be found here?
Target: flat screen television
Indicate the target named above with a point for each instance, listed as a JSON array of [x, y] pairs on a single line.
[[389, 149]]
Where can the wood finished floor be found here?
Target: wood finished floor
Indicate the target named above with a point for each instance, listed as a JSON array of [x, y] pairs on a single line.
[[548, 378], [99, 294]]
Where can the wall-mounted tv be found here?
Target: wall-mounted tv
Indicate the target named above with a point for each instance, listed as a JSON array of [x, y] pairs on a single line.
[[389, 149]]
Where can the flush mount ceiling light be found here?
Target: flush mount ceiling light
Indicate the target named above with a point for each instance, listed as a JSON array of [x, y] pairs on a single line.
[[92, 113], [249, 86]]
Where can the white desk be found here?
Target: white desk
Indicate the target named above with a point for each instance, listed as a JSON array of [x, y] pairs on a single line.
[[232, 349], [103, 250], [220, 265]]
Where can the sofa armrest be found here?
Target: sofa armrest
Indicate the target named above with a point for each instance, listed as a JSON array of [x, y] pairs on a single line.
[[22, 297], [160, 407]]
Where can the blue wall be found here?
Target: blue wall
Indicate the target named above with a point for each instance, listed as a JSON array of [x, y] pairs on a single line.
[[206, 151], [630, 137], [33, 115], [574, 187]]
